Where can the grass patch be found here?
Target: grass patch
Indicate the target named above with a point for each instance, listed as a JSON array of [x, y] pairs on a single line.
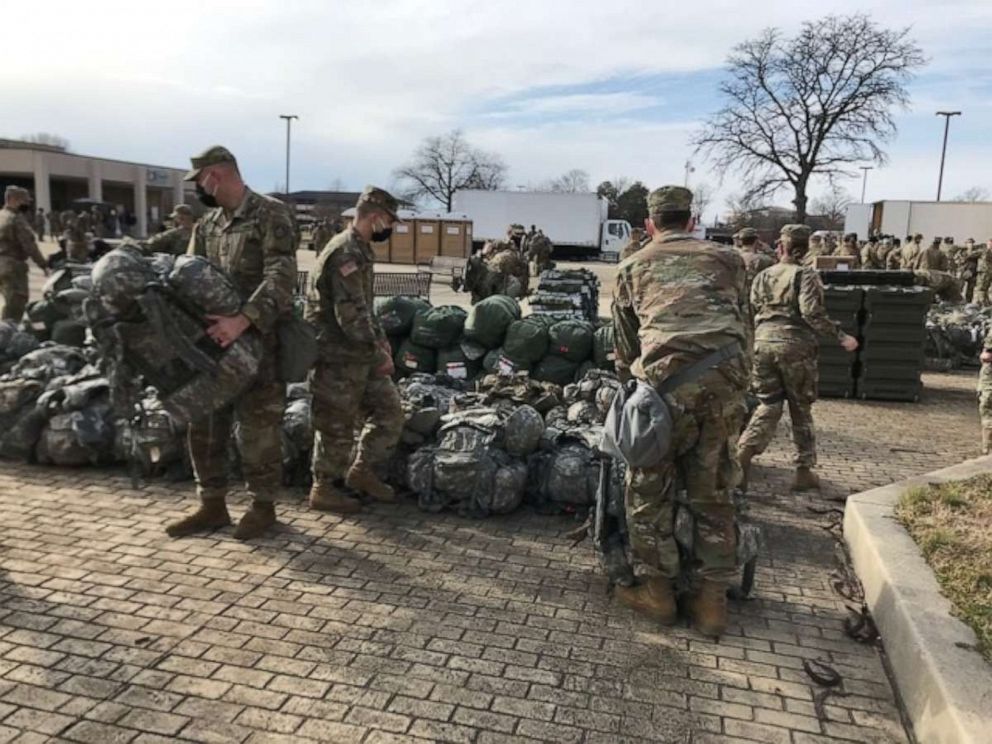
[[952, 524]]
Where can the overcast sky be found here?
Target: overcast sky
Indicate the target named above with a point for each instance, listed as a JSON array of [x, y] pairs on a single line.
[[611, 87]]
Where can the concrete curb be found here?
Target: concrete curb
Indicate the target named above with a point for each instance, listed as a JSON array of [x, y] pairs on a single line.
[[945, 684]]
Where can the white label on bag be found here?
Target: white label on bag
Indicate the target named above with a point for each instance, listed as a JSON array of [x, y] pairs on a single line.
[[457, 371]]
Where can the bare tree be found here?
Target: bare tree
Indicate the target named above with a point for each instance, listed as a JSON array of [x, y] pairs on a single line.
[[811, 105], [574, 181], [48, 139], [974, 194], [832, 206], [702, 195], [443, 165]]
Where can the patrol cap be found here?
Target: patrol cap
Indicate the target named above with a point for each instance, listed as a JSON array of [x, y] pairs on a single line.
[[798, 233], [12, 192], [181, 209], [747, 232], [211, 156], [948, 239], [516, 229], [669, 199], [918, 236], [373, 196], [851, 238], [970, 240]]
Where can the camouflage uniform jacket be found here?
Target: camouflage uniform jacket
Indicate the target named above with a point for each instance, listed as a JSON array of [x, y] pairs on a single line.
[[174, 241], [16, 239], [815, 249], [873, 255], [847, 250], [676, 300], [340, 305], [256, 246], [928, 259], [779, 315], [754, 264]]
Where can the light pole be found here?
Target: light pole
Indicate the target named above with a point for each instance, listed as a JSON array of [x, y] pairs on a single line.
[[688, 169], [864, 181], [943, 153], [289, 123]]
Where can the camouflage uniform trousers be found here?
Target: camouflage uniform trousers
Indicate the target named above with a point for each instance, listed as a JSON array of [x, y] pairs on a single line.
[[13, 287], [985, 406], [706, 420], [347, 396], [784, 372], [258, 412]]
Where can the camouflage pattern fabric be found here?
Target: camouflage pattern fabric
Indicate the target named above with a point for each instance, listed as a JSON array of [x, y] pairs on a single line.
[[676, 300], [506, 260], [849, 250], [787, 326], [927, 259], [348, 397], [816, 248], [985, 399], [17, 245], [256, 246], [873, 255], [784, 372], [174, 241], [347, 394], [983, 280]]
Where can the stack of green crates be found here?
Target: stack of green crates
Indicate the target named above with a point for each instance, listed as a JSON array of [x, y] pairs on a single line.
[[893, 336], [837, 372]]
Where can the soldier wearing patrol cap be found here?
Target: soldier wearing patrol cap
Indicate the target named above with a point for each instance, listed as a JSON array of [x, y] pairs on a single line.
[[351, 384], [633, 245], [253, 238], [849, 249], [789, 315], [17, 245], [175, 240], [680, 317]]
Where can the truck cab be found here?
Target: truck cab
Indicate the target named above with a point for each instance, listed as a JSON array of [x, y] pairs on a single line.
[[616, 235]]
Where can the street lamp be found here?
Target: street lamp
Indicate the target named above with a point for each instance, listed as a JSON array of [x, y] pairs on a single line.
[[943, 153], [864, 181], [289, 122]]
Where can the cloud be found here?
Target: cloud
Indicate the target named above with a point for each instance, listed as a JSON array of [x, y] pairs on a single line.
[[613, 88]]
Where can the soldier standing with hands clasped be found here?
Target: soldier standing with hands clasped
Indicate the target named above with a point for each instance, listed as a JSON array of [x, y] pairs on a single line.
[[680, 315], [787, 302], [351, 382], [252, 238]]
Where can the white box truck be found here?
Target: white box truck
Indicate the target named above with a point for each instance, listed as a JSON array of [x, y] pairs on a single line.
[[577, 224], [959, 220]]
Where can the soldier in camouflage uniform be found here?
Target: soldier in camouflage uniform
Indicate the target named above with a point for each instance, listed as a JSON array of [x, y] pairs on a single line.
[[677, 301], [968, 268], [253, 238], [633, 245], [54, 225], [985, 394], [351, 384], [505, 260], [874, 252], [17, 245], [984, 279], [816, 248], [931, 258], [849, 249], [322, 233], [76, 244], [539, 250], [787, 302], [174, 241]]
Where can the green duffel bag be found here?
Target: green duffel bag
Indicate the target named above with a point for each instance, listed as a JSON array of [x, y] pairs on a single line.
[[571, 339], [396, 314], [604, 352], [488, 320], [555, 369], [526, 340], [69, 333], [453, 362], [496, 362], [439, 327], [411, 357]]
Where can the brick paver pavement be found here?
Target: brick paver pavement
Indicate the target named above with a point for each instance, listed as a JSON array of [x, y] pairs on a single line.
[[397, 625]]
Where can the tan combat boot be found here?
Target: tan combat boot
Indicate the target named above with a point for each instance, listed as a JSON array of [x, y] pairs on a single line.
[[744, 457], [325, 496], [212, 515], [363, 479], [708, 608], [654, 598], [805, 480], [256, 521]]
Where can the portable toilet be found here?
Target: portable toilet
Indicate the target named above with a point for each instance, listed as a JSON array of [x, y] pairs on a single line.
[[428, 240], [454, 236]]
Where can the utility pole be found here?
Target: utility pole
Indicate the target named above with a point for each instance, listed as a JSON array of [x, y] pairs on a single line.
[[289, 123], [943, 153], [864, 181], [688, 169]]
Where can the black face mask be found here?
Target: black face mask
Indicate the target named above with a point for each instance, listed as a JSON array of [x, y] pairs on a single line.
[[207, 200], [380, 235]]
